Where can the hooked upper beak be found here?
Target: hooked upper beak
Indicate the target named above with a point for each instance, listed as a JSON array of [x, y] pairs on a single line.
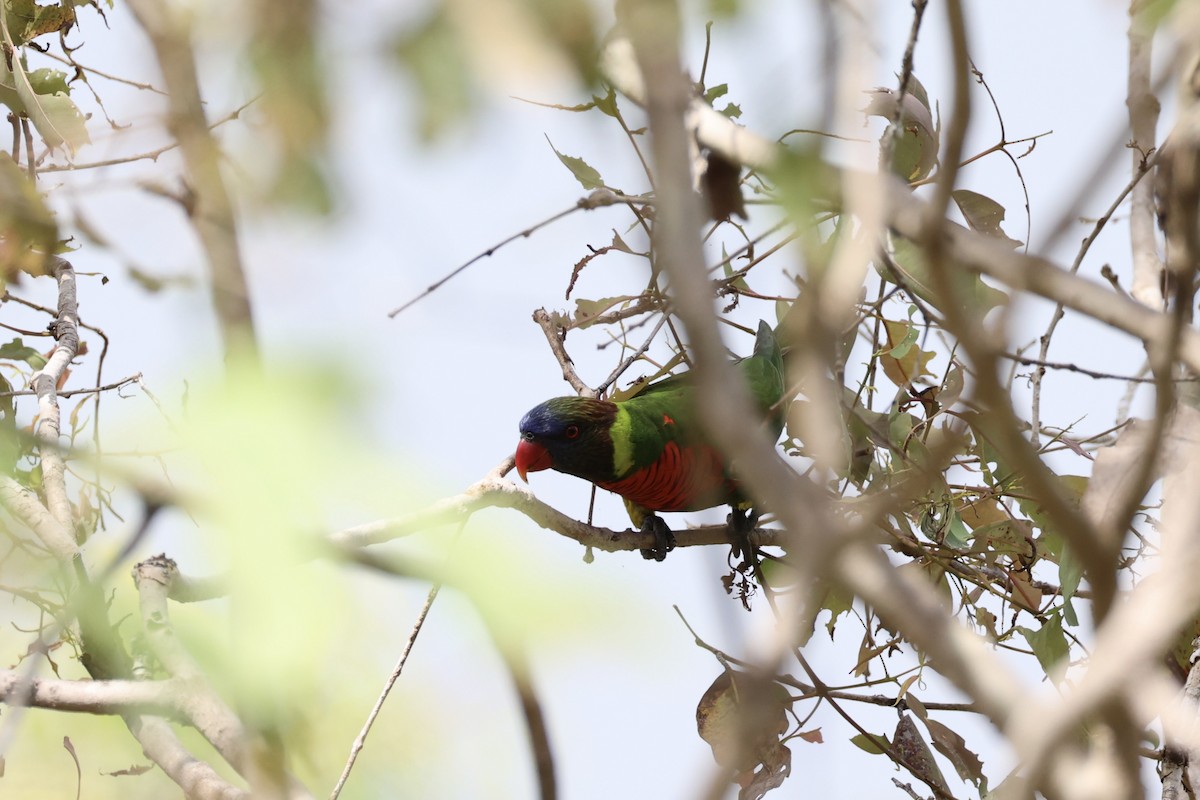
[[532, 457]]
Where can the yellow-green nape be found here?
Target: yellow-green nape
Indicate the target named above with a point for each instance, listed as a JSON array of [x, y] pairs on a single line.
[[621, 435]]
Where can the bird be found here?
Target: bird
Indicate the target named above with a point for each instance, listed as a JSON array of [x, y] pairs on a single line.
[[650, 449]]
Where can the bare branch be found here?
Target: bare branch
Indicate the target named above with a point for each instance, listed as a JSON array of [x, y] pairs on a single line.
[[555, 340], [198, 780], [25, 506], [211, 716], [212, 210], [45, 383], [494, 491], [153, 578], [1143, 119], [1179, 762], [94, 697]]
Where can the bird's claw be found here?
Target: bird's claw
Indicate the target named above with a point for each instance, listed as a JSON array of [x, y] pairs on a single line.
[[664, 538], [741, 525]]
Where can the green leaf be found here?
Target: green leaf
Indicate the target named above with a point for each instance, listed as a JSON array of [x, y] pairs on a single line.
[[915, 150], [49, 81], [917, 90], [586, 309], [619, 244], [952, 386], [1048, 643], [57, 119], [917, 756], [983, 214], [1070, 573], [782, 307], [587, 176], [10, 443], [727, 267], [1054, 548], [607, 104], [907, 156], [733, 111], [975, 297], [901, 437], [837, 601], [1008, 537], [17, 350], [901, 337], [867, 743], [26, 20], [641, 383], [27, 228], [957, 535], [720, 90], [864, 429], [263, 494], [942, 524], [966, 762], [987, 620], [903, 362], [741, 716], [55, 116], [779, 574]]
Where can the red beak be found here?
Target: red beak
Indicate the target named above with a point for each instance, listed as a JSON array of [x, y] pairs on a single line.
[[532, 457]]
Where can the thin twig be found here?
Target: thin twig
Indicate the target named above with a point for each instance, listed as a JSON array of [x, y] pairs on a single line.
[[624, 365], [72, 392], [1091, 373], [149, 155], [107, 75], [361, 740], [1059, 308], [597, 199]]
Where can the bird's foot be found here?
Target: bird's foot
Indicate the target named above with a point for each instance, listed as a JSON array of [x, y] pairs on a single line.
[[741, 524], [664, 538], [743, 559]]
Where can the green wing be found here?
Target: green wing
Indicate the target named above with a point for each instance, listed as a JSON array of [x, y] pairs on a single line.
[[665, 410], [764, 373]]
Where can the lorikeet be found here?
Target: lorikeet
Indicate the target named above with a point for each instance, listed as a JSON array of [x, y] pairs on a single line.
[[649, 449]]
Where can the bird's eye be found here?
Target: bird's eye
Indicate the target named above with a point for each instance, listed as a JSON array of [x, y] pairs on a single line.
[[527, 436], [572, 432]]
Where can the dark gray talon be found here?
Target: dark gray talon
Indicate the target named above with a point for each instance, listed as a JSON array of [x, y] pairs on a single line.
[[741, 525], [664, 538]]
